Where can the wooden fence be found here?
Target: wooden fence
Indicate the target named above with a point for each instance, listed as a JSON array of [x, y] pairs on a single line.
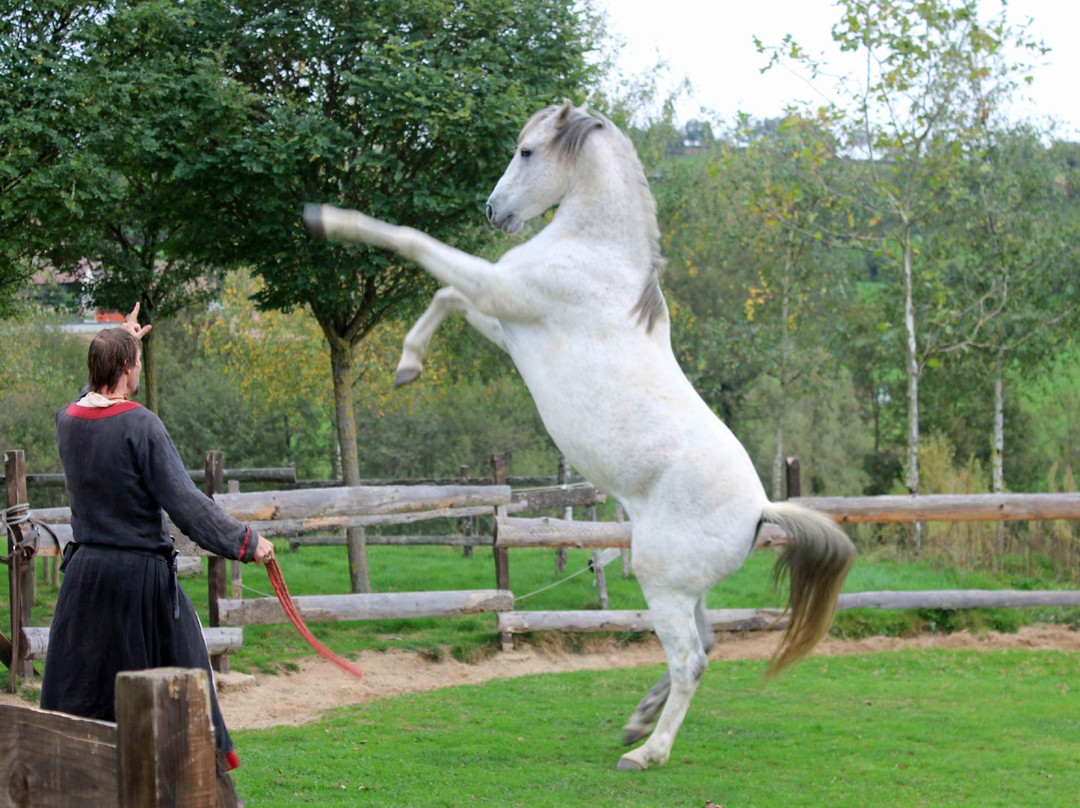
[[159, 753], [287, 513]]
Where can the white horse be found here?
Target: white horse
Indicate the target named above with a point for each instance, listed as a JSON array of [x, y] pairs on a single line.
[[579, 309]]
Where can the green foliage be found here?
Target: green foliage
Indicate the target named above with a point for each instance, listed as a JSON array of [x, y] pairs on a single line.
[[824, 430], [42, 81], [1051, 402], [43, 370]]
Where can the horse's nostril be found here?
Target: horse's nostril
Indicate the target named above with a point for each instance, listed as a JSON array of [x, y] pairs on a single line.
[[490, 212]]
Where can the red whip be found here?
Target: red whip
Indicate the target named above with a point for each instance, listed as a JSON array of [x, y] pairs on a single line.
[[273, 569]]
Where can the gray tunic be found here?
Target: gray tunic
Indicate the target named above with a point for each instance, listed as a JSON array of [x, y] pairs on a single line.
[[120, 607]]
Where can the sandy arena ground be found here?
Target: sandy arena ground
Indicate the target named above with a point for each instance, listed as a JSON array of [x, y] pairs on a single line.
[[297, 698]]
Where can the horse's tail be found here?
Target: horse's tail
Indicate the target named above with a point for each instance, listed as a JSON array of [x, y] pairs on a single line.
[[816, 561]]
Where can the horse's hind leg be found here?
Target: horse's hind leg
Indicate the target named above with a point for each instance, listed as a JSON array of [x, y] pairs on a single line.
[[445, 301], [674, 619], [643, 720]]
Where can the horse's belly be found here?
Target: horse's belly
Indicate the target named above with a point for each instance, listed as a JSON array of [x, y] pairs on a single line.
[[621, 423]]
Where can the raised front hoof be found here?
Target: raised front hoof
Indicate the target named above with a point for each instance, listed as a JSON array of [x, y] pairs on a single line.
[[632, 762], [631, 735], [406, 375], [313, 220]]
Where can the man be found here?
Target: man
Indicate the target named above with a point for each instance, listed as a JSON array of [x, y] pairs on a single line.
[[120, 606]]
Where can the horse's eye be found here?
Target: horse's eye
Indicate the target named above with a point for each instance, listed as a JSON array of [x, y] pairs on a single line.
[[526, 152]]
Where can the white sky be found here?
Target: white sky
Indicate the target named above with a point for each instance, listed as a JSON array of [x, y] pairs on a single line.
[[711, 42]]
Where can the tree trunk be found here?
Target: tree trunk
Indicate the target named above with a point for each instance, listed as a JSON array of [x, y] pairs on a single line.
[[999, 444], [912, 367], [341, 357], [149, 382], [999, 427], [785, 351]]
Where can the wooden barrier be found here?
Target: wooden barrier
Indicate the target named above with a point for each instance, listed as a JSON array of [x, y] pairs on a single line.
[[630, 620], [274, 474], [159, 753], [519, 622], [947, 507], [219, 640], [284, 512], [290, 512], [275, 513], [20, 570], [549, 532], [374, 606]]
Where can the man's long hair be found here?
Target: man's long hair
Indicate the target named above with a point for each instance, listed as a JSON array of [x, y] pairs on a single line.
[[111, 352]]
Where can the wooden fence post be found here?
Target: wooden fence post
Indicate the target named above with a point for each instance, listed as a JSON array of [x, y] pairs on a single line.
[[20, 570], [164, 744], [794, 484], [465, 523], [561, 477], [236, 567], [216, 565], [598, 565], [620, 517], [502, 554]]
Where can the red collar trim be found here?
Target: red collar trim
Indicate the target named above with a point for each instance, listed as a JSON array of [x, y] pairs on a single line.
[[94, 413]]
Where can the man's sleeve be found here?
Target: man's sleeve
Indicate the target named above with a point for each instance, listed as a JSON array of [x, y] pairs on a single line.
[[197, 515]]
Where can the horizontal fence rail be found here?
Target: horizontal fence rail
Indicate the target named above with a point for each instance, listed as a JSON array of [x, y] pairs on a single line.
[[219, 640], [947, 507], [273, 474], [375, 606]]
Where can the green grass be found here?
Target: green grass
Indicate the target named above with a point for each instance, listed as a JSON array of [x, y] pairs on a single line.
[[905, 728]]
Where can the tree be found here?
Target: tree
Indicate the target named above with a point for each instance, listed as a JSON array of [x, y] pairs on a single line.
[[42, 79], [125, 195], [1012, 266], [934, 72], [792, 207], [407, 110]]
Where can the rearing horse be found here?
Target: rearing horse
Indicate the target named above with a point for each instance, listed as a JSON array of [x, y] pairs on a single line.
[[579, 309]]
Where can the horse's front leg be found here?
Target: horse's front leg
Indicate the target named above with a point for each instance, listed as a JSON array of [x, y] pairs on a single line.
[[446, 301], [474, 277]]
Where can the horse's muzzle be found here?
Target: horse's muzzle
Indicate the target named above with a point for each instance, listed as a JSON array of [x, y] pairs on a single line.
[[507, 223]]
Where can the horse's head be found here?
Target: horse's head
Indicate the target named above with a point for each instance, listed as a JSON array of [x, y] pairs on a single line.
[[539, 175]]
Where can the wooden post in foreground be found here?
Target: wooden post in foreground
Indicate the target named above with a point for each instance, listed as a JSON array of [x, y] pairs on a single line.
[[20, 570], [164, 744], [502, 554], [216, 565]]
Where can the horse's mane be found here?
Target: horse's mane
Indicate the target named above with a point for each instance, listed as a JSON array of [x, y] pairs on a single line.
[[572, 128]]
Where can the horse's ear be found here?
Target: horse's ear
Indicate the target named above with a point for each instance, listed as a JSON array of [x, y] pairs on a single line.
[[564, 112]]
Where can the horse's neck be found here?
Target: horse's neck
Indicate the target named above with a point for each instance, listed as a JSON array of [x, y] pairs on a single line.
[[607, 204]]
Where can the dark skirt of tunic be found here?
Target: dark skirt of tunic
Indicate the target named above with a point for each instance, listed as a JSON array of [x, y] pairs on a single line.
[[140, 618]]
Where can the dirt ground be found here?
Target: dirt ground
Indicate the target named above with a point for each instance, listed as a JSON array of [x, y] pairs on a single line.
[[297, 698]]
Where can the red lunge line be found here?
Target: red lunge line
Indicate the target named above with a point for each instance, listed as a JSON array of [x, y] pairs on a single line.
[[273, 569]]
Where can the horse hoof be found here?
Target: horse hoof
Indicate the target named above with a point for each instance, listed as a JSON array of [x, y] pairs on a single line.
[[631, 735], [406, 375], [631, 764]]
